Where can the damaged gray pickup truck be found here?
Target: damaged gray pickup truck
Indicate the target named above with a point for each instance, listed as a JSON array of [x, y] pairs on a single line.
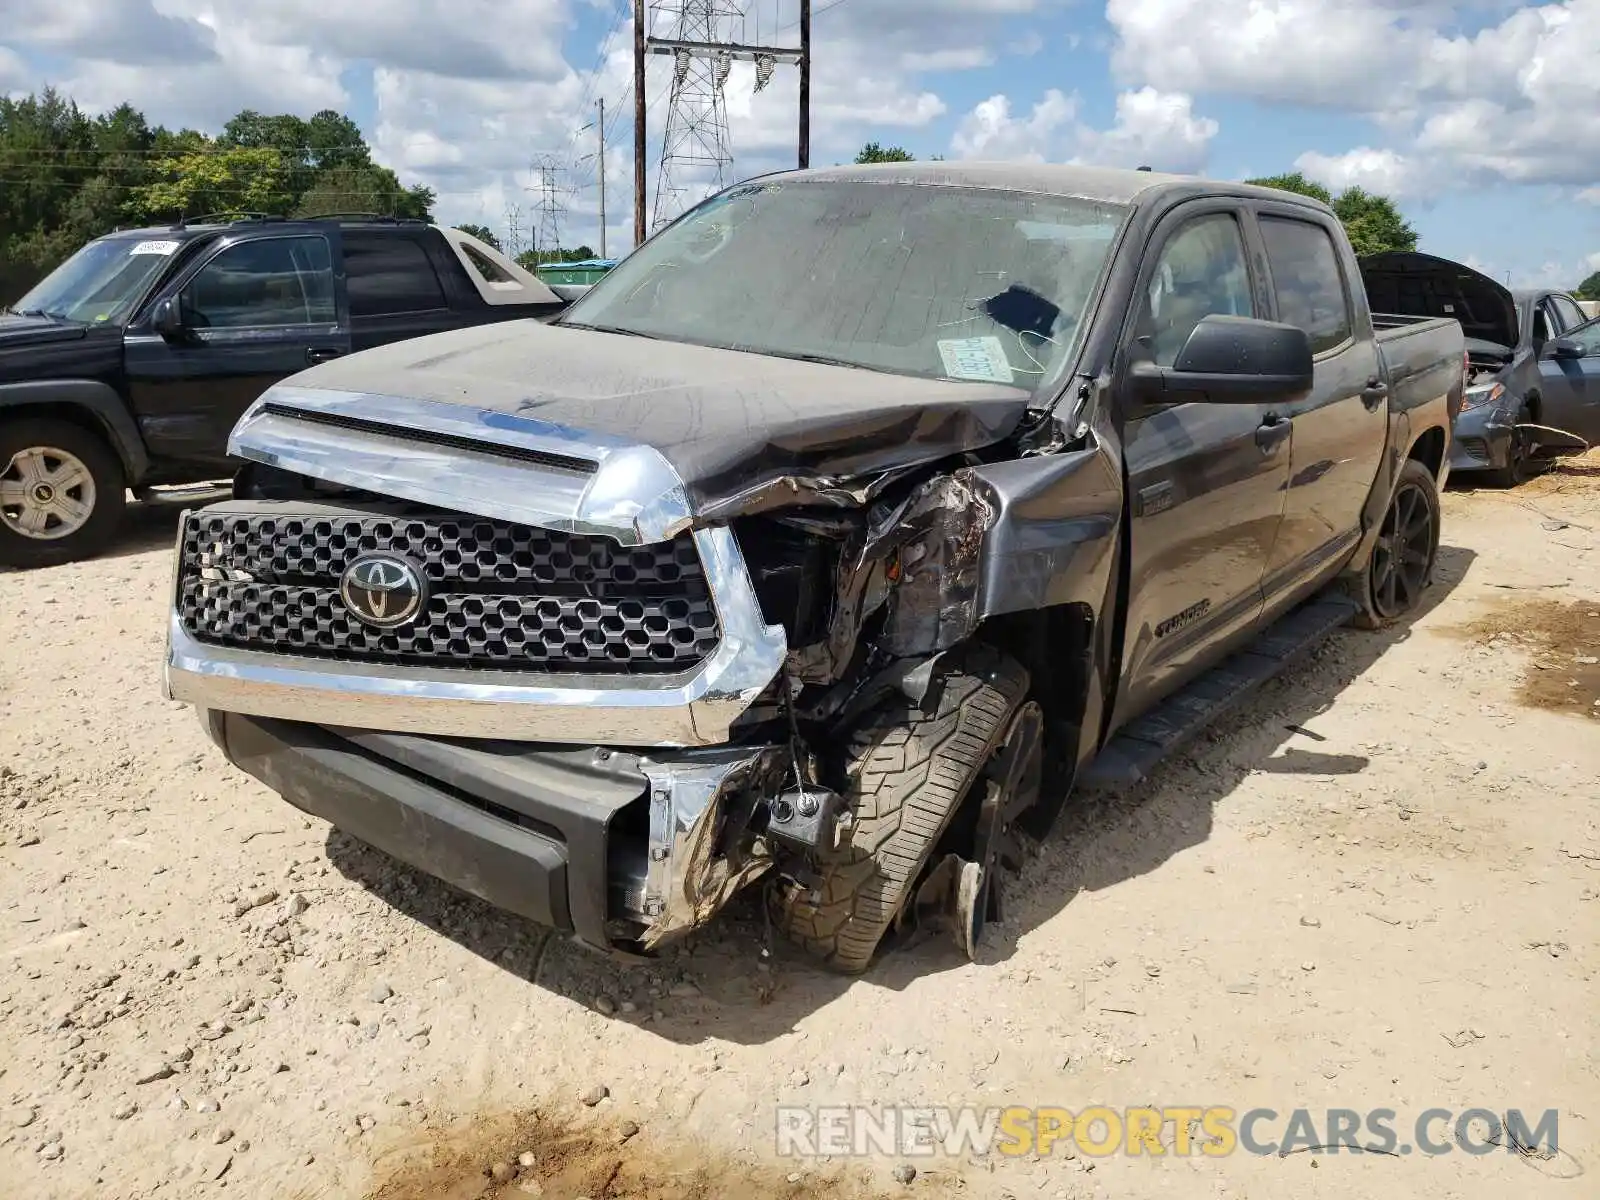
[[830, 541]]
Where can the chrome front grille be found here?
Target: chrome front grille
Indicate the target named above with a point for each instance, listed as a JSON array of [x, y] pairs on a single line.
[[501, 596]]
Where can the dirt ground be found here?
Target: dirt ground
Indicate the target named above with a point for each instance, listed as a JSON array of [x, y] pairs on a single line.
[[1377, 887]]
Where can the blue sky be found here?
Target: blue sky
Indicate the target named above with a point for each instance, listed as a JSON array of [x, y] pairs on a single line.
[[1482, 118]]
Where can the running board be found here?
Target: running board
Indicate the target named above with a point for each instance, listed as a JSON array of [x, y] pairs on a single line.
[[1136, 750]]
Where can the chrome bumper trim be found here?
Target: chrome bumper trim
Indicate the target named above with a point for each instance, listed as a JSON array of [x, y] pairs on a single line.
[[690, 875], [631, 494], [695, 709]]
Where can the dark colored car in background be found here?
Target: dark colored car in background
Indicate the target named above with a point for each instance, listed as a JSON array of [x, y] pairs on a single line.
[[1521, 386], [129, 364]]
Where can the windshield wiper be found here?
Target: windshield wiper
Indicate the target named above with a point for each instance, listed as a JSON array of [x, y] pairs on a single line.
[[654, 337], [823, 359]]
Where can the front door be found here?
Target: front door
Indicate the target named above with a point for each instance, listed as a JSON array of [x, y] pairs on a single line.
[[1206, 482], [260, 307], [1569, 388], [1341, 425]]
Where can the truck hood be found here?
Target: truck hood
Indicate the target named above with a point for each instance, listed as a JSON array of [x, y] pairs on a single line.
[[17, 332], [741, 431], [1409, 284]]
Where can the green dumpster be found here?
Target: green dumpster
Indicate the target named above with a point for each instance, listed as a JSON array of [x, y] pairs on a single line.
[[586, 272]]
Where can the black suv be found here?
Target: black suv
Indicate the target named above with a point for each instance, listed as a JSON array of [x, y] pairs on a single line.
[[128, 366]]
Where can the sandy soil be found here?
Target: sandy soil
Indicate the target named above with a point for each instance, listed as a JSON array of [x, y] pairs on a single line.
[[1376, 887]]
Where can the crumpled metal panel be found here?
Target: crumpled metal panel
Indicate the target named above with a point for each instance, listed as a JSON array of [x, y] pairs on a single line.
[[745, 433]]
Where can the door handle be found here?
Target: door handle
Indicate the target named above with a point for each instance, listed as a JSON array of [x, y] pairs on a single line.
[[316, 354], [1273, 432], [1372, 395]]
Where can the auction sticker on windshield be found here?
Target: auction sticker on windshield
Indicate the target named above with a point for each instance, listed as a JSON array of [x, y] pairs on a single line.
[[979, 358], [154, 248]]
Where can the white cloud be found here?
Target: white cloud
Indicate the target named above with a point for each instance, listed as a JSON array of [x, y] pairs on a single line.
[[1381, 171], [1517, 99], [1155, 129], [990, 131]]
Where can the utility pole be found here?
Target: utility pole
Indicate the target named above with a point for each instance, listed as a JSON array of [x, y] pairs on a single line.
[[602, 130], [639, 131], [805, 84], [697, 120]]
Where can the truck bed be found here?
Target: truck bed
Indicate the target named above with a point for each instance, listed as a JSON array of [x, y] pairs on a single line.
[[1423, 357]]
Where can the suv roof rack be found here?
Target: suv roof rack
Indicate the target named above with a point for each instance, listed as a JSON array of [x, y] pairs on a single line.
[[386, 218], [226, 216]]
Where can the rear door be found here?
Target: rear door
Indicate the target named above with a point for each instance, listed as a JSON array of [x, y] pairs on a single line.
[[1569, 388], [1206, 482], [395, 291], [1341, 425], [255, 308]]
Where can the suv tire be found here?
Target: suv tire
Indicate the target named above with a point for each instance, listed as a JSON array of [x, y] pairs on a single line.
[[62, 492]]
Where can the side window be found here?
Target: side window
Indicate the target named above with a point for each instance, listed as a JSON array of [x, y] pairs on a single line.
[[491, 272], [388, 274], [1588, 336], [1541, 324], [1570, 315], [1305, 276], [261, 284], [1201, 272]]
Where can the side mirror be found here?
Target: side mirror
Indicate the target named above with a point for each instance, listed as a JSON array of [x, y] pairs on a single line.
[[166, 320], [1234, 360], [1565, 348]]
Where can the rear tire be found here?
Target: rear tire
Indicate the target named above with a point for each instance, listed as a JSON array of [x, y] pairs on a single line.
[[62, 493], [1400, 567], [909, 771]]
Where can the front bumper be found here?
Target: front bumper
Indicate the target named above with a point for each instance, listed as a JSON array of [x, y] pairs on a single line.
[[620, 850], [1481, 439]]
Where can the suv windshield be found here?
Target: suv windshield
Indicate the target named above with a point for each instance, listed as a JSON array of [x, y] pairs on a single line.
[[101, 282], [916, 279]]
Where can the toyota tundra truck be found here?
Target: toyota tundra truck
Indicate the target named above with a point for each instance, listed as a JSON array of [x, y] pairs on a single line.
[[826, 545]]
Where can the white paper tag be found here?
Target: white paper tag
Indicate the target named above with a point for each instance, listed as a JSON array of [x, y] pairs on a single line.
[[975, 358], [162, 248]]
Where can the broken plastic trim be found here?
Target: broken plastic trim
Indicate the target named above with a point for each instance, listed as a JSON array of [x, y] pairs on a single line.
[[1543, 443]]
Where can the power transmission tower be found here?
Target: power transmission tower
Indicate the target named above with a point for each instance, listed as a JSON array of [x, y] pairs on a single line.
[[696, 138], [515, 243], [550, 208]]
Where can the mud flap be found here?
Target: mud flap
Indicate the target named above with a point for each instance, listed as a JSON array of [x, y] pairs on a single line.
[[1541, 443]]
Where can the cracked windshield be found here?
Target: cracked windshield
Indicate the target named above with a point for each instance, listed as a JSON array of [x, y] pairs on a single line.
[[941, 282]]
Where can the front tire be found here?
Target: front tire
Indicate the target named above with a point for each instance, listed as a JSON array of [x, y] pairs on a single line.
[[909, 770], [1401, 564], [1518, 468], [62, 493]]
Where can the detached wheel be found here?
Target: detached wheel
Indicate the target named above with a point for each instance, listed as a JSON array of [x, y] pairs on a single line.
[[61, 493], [909, 771], [1402, 561]]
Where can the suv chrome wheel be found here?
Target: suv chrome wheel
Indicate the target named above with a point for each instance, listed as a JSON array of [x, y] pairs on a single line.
[[46, 493]]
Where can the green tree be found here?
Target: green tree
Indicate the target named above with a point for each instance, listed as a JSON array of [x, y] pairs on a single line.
[[528, 260], [872, 152], [221, 180], [369, 189], [482, 232], [1589, 289], [1374, 223], [66, 178]]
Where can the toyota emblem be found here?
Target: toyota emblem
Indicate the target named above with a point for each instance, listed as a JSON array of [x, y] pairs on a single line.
[[383, 591]]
